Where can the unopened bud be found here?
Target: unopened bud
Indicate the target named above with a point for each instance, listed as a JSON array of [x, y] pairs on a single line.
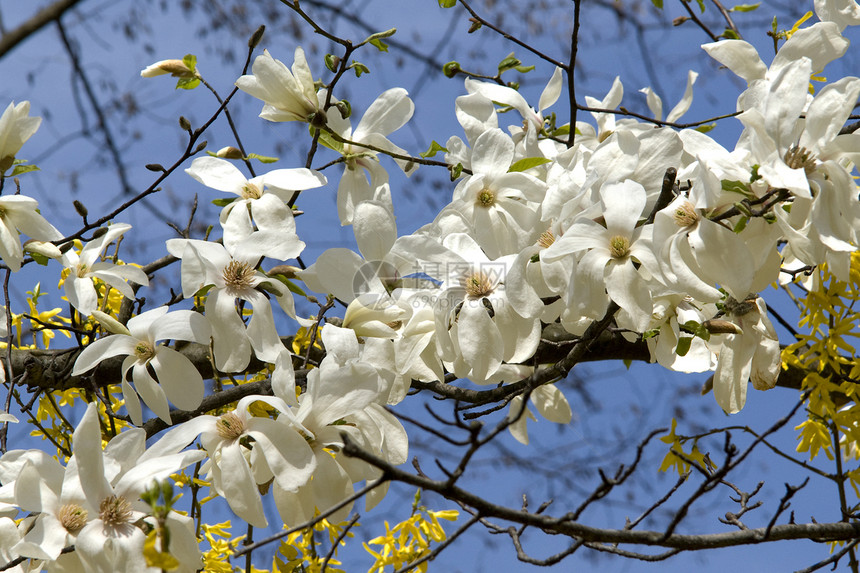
[[184, 123], [80, 208], [99, 232], [288, 271], [255, 38], [318, 119], [157, 167], [344, 108], [717, 326], [43, 248], [201, 146], [175, 68], [229, 152]]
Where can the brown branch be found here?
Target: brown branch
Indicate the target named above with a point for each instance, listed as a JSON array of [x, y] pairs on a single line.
[[35, 23], [564, 526]]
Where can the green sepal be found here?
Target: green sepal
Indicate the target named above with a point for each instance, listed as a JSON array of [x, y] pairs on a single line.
[[683, 347], [222, 201]]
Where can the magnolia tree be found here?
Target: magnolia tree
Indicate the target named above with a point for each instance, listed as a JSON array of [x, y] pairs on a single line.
[[624, 237]]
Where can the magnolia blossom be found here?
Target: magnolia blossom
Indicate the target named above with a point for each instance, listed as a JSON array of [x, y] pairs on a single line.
[[388, 113], [85, 267], [92, 502], [330, 408], [287, 96], [277, 452], [18, 214], [500, 206], [232, 277], [749, 352], [178, 379], [16, 127], [261, 203], [608, 254]]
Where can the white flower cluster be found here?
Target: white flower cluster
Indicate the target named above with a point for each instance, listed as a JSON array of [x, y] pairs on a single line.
[[537, 232]]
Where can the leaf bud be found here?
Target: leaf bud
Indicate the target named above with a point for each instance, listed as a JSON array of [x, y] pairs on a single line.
[[157, 167], [451, 69], [184, 123]]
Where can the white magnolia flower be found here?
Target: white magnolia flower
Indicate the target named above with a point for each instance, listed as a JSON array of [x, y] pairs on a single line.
[[288, 96], [92, 502], [276, 450], [233, 277], [18, 214], [178, 379], [509, 96], [388, 113], [16, 127], [501, 207], [842, 12], [608, 254], [655, 104], [329, 408], [86, 266], [261, 202], [751, 354]]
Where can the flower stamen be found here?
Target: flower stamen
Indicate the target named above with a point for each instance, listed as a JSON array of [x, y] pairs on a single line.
[[115, 511], [685, 215], [799, 157], [230, 426], [478, 285], [73, 517], [238, 276], [619, 246], [485, 198]]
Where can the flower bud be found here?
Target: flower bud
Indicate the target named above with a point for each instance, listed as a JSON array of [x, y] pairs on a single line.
[[175, 68], [43, 248], [229, 152]]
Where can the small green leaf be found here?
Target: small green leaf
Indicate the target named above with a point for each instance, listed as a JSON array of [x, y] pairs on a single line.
[[451, 69], [222, 202], [326, 140], [190, 61], [741, 224], [701, 4], [510, 62], [19, 169], [433, 150], [735, 187], [187, 83], [524, 69], [527, 163], [706, 128], [447, 3], [41, 259], [331, 62], [730, 34], [456, 171], [376, 39], [745, 7], [359, 68], [627, 363], [563, 130], [683, 345], [262, 158], [379, 45], [657, 4]]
